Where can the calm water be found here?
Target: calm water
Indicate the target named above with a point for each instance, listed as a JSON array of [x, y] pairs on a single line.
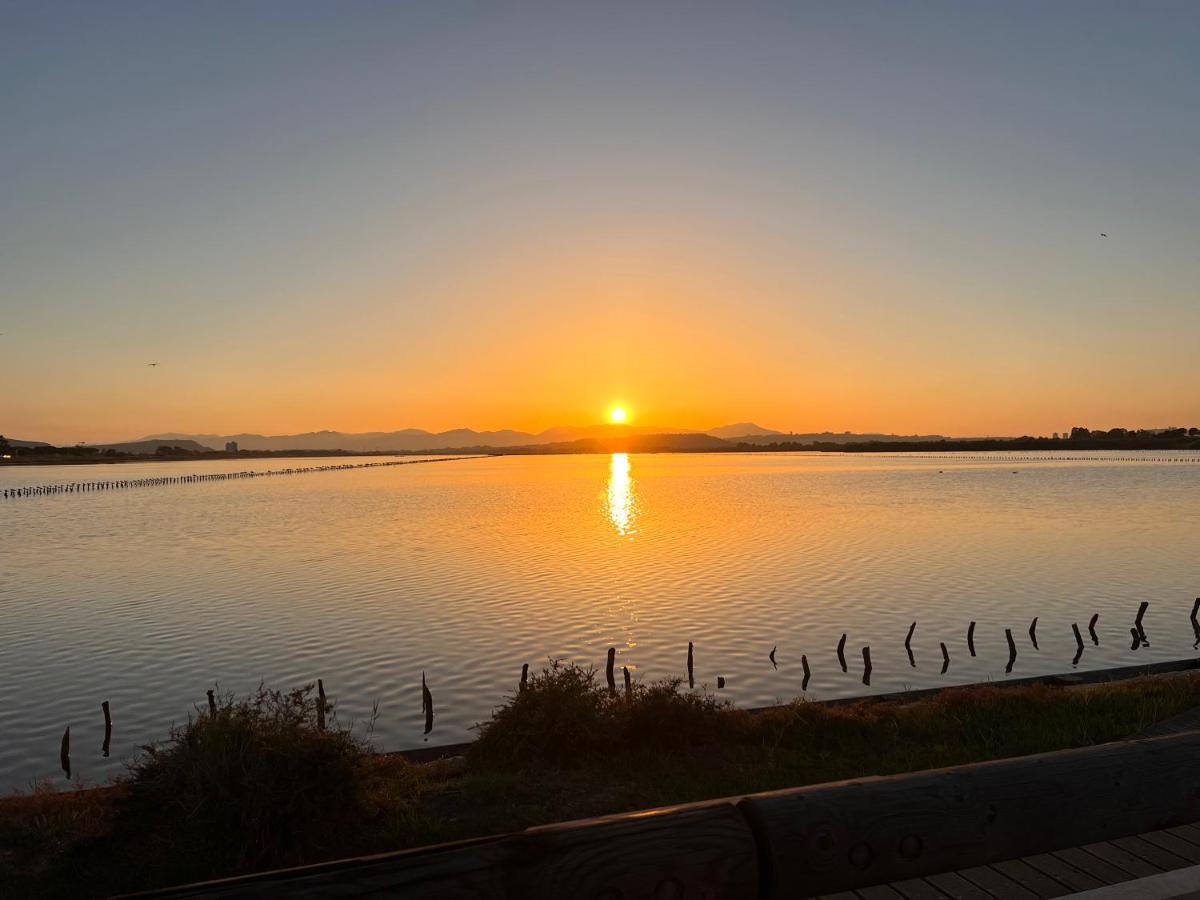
[[466, 569]]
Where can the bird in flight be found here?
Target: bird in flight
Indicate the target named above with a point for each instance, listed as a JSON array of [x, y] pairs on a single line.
[[1102, 234], [152, 364]]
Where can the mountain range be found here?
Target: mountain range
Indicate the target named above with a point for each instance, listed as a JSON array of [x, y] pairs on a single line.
[[419, 439]]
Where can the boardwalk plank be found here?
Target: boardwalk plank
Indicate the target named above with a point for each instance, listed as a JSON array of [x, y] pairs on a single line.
[[1164, 859], [1064, 873], [1173, 844], [1190, 833], [1122, 859], [879, 892], [955, 886], [1108, 872], [997, 883], [919, 889], [1030, 878]]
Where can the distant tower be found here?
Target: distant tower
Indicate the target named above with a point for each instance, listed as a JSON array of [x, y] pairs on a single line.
[[231, 447], [1056, 435]]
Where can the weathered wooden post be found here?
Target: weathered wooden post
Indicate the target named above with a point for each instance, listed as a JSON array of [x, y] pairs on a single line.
[[628, 685], [1145, 604], [212, 704], [1078, 643], [841, 650], [1137, 639], [1012, 651], [807, 673], [107, 728], [691, 672], [771, 656], [524, 676], [1033, 632], [971, 638], [1092, 629], [945, 658], [720, 681], [320, 705], [64, 752], [608, 670], [426, 704], [866, 655]]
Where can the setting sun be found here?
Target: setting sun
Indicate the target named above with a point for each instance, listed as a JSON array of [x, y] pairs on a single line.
[[617, 415]]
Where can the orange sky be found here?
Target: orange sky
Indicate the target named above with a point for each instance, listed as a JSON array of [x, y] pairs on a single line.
[[826, 220]]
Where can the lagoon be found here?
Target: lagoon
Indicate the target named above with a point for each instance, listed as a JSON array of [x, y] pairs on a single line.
[[466, 569]]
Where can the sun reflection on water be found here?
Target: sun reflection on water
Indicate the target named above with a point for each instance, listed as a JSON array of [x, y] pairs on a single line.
[[622, 499]]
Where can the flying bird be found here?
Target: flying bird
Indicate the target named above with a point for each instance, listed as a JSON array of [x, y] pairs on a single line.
[[1102, 234], [152, 364]]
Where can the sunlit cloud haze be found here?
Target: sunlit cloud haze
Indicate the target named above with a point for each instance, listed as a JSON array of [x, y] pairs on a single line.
[[367, 216]]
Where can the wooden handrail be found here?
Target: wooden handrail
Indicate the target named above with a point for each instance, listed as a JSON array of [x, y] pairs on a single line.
[[792, 843]]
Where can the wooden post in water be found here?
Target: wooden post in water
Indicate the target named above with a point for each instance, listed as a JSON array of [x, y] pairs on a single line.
[[107, 728], [971, 638], [691, 673], [1078, 643], [1012, 651], [807, 673], [212, 704], [426, 704], [608, 670], [842, 652], [866, 653], [1145, 604], [1033, 632], [1092, 628], [628, 685], [912, 660], [524, 676], [945, 658], [771, 656], [720, 681], [1137, 639], [64, 752], [320, 705]]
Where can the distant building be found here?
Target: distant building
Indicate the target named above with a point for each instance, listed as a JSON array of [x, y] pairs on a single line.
[[231, 447]]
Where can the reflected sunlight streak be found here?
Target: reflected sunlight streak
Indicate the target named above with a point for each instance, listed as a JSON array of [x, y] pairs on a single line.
[[622, 501]]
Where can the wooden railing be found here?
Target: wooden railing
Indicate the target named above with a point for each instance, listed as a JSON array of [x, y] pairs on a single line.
[[791, 843]]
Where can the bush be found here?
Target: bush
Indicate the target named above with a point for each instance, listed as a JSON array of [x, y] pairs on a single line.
[[565, 718], [256, 785]]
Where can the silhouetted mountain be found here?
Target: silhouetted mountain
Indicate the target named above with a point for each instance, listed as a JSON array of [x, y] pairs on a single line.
[[829, 437], [151, 445], [740, 430], [13, 442], [413, 438]]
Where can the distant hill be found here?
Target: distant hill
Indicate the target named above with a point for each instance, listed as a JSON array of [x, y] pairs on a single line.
[[740, 430], [830, 437], [152, 445], [410, 438], [13, 442], [418, 439], [629, 443]]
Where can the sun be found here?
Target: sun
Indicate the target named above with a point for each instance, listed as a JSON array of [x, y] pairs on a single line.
[[617, 415]]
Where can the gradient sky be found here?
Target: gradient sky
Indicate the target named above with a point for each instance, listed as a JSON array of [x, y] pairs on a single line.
[[367, 216]]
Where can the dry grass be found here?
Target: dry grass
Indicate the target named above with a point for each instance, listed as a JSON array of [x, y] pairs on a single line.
[[259, 786]]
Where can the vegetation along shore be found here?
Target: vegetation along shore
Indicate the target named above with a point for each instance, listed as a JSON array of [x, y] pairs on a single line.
[[276, 780]]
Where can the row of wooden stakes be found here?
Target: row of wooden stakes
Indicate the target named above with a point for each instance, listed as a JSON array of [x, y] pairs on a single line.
[[1137, 632]]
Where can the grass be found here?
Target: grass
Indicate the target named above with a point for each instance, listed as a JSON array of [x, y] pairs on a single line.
[[258, 785]]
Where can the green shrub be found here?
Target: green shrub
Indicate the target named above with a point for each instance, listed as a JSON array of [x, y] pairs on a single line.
[[565, 718], [258, 784]]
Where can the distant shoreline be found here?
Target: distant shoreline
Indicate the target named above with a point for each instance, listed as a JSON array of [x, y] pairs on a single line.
[[70, 456]]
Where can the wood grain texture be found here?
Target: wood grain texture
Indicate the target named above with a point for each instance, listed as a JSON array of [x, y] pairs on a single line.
[[705, 852], [858, 833]]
